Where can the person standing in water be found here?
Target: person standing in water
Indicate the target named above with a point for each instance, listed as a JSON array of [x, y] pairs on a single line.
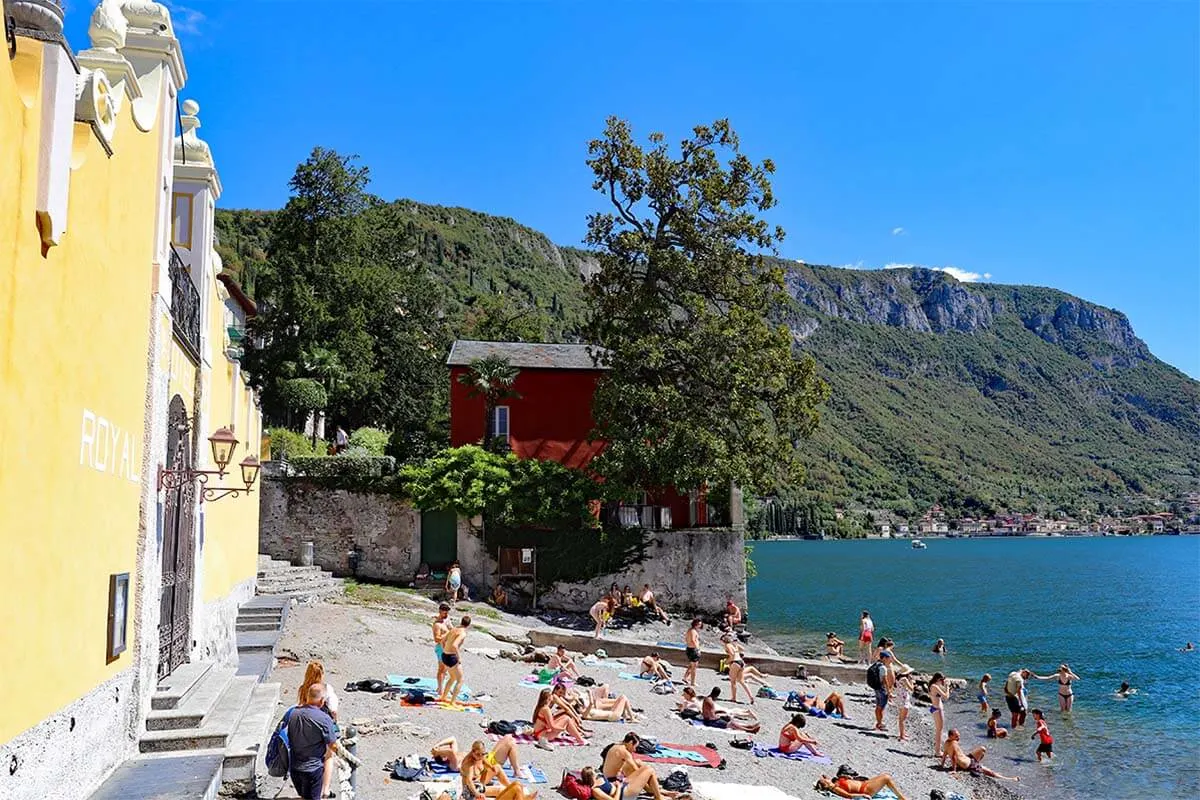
[[866, 632], [939, 647], [1066, 695], [983, 692], [1046, 746]]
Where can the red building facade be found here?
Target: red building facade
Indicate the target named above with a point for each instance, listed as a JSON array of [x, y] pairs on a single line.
[[550, 418]]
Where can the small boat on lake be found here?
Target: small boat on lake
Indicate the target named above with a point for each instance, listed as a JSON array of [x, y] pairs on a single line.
[[917, 544]]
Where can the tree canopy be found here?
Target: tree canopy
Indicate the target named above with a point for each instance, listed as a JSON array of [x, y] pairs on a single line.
[[700, 387]]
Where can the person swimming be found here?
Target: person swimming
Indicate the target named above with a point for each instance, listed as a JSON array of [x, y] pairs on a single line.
[[1187, 648], [1125, 690]]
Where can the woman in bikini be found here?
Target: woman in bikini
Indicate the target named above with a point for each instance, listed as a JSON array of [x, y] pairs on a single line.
[[594, 704], [547, 726], [938, 694], [791, 740], [478, 771], [504, 750], [846, 786], [1065, 677], [601, 613]]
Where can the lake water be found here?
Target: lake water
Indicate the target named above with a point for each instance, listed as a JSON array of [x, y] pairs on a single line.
[[1115, 609]]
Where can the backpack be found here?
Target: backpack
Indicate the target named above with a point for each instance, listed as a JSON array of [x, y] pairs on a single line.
[[584, 680], [794, 702], [646, 747], [410, 768], [677, 781], [501, 727], [875, 675], [573, 789], [742, 744], [278, 748], [417, 697]]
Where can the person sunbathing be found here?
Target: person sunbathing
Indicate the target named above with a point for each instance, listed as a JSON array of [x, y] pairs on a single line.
[[562, 705], [654, 667], [833, 646], [834, 704], [791, 740], [547, 726], [845, 786], [619, 761], [563, 663], [477, 773], [972, 762], [505, 750], [594, 704], [714, 716], [651, 604]]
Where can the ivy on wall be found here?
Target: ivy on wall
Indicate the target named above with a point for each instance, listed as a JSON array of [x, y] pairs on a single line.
[[572, 555]]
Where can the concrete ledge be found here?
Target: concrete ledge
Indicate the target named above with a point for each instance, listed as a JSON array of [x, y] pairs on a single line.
[[782, 666]]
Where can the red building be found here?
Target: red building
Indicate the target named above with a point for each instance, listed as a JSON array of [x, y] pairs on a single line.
[[550, 418]]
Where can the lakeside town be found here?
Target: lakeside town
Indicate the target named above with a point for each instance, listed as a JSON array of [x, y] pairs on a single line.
[[936, 522]]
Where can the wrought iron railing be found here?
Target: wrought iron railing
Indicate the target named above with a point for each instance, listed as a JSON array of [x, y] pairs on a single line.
[[185, 305]]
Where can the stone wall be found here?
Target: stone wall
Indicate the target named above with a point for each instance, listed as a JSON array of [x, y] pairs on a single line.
[[385, 530], [690, 570]]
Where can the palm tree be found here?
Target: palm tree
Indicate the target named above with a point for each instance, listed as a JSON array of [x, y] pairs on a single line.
[[492, 379]]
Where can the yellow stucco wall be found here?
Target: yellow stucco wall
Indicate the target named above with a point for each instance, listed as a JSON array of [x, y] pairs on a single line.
[[73, 338], [231, 524]]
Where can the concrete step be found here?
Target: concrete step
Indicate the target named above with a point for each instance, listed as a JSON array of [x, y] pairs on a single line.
[[287, 569], [175, 688], [192, 711], [275, 617], [301, 585], [254, 625], [191, 776], [219, 724], [250, 739], [256, 641]]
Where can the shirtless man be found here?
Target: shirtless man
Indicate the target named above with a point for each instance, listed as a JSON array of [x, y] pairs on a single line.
[[733, 614], [561, 662], [971, 762], [654, 667], [452, 658], [649, 602], [714, 716], [620, 762], [441, 626], [833, 646], [691, 642]]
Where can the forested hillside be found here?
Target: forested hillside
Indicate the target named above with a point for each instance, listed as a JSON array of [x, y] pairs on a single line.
[[978, 396]]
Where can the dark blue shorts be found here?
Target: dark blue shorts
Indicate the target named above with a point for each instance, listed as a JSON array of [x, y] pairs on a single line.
[[881, 698], [308, 784]]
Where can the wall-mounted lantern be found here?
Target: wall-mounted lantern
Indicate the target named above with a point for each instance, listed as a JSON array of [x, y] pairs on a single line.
[[223, 443]]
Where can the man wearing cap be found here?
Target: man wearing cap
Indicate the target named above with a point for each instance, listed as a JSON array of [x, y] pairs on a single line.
[[885, 684]]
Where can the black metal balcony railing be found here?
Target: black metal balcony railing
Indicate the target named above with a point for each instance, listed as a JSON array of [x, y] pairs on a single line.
[[185, 305]]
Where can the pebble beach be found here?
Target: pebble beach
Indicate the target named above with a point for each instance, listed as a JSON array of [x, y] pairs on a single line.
[[370, 637]]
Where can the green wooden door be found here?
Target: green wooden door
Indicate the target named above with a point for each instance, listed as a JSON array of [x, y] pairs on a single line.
[[439, 538]]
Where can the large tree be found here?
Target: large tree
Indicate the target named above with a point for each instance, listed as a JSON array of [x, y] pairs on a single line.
[[343, 302], [700, 386]]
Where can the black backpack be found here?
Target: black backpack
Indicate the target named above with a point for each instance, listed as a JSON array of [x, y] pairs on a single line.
[[501, 727], [677, 782], [875, 675]]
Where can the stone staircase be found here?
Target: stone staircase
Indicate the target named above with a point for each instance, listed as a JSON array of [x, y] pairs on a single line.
[[302, 583]]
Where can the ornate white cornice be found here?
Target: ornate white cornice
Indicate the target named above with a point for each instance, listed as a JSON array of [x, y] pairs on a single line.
[[108, 30], [193, 158], [150, 37]]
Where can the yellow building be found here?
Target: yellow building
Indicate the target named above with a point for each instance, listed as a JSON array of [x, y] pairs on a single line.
[[118, 358]]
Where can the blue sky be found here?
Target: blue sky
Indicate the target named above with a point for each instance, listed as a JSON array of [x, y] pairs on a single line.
[[1055, 144]]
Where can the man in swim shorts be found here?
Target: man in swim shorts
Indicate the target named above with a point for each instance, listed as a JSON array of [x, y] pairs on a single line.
[[1014, 695], [451, 658], [691, 641], [441, 626], [971, 762], [619, 762]]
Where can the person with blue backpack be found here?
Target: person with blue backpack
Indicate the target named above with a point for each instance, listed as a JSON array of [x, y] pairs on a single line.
[[310, 739]]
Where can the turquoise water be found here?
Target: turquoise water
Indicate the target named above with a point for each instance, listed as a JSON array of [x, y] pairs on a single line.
[[1115, 609]]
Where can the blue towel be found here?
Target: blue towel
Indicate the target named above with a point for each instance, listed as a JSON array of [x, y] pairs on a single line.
[[800, 755], [629, 676], [534, 774], [427, 685], [673, 645], [685, 755]]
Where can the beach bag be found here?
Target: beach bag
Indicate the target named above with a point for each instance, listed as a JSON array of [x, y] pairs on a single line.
[[501, 727], [742, 744], [546, 675], [369, 685], [584, 680], [794, 702], [875, 675], [572, 788], [410, 768], [417, 697], [689, 713], [278, 749], [677, 781], [647, 747]]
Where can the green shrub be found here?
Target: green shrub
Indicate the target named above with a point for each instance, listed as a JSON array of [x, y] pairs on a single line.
[[287, 445], [343, 467], [372, 440], [302, 395]]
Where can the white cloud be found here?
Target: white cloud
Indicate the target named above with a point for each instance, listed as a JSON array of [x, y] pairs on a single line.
[[966, 276], [184, 20], [898, 231]]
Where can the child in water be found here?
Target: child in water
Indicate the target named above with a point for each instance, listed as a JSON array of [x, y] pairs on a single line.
[[1046, 746], [995, 729], [983, 693]]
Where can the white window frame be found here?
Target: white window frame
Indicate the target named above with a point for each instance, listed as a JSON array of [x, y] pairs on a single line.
[[494, 431]]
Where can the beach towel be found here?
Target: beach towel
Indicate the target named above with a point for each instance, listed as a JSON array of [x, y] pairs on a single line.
[[729, 731], [799, 755], [688, 755], [529, 773], [737, 791], [526, 738], [611, 663], [399, 683], [629, 676], [446, 705]]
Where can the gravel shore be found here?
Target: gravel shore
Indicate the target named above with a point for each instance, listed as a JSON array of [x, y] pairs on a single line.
[[376, 633]]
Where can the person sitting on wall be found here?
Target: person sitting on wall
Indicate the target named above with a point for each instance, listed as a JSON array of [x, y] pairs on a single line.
[[733, 614], [499, 596], [651, 604]]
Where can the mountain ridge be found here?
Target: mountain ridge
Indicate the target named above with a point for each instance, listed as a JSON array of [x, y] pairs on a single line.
[[1031, 398]]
